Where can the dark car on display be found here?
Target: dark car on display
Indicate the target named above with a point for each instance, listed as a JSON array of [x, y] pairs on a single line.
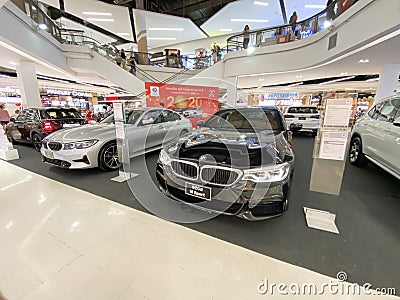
[[32, 125], [239, 163]]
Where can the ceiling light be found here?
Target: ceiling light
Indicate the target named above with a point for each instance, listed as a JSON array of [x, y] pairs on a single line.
[[337, 80], [363, 61], [162, 38], [226, 29], [94, 13], [372, 79], [99, 20], [12, 63], [321, 6], [250, 20], [165, 29], [261, 3], [299, 76], [344, 73], [295, 84]]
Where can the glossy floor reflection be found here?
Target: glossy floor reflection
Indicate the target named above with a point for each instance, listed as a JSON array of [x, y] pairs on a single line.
[[58, 242]]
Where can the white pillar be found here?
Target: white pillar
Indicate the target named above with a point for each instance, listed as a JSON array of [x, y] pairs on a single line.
[[231, 91], [388, 81], [28, 84]]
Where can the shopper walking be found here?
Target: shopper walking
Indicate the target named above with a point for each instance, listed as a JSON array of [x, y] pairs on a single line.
[[118, 58], [4, 116], [246, 36], [132, 64], [293, 20]]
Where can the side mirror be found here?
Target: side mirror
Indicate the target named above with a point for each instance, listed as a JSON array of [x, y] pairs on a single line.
[[294, 127], [200, 123], [12, 120]]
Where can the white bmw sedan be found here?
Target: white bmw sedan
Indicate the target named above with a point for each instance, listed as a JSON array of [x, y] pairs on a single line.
[[96, 145]]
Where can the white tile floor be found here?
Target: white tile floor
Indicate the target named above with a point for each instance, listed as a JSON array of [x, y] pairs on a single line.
[[58, 242]]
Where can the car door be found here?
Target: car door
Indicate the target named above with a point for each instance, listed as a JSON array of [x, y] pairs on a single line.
[[16, 129], [31, 123], [389, 118], [172, 127]]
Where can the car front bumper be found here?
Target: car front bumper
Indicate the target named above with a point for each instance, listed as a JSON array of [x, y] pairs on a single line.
[[308, 125], [244, 199], [72, 159]]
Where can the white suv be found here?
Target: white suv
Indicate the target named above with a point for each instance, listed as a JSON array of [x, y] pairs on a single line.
[[308, 116], [376, 137]]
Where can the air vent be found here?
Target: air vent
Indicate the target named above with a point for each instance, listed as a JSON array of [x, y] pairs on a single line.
[[332, 41]]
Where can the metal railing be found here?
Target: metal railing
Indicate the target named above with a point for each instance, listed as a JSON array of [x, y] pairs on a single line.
[[286, 33]]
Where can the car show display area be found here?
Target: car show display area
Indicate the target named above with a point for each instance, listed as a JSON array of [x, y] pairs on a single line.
[[367, 209]]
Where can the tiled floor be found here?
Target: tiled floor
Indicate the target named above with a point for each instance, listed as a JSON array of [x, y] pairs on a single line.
[[58, 242]]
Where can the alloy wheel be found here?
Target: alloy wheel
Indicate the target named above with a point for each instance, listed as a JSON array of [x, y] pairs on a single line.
[[37, 141], [111, 157], [354, 151]]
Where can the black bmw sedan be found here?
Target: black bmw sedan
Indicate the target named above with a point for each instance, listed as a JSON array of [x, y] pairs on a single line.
[[240, 162]]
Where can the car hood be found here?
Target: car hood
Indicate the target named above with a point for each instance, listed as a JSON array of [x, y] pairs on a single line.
[[87, 132], [236, 149]]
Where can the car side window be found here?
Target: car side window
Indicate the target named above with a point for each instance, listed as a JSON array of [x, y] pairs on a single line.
[[32, 115], [170, 116], [388, 111], [151, 117], [374, 113], [22, 116]]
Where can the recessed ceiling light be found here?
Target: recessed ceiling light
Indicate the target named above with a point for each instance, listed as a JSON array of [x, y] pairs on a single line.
[[315, 6], [95, 13], [226, 29], [12, 63], [165, 29], [162, 38], [261, 3], [363, 61], [99, 20], [299, 76], [344, 73], [250, 20]]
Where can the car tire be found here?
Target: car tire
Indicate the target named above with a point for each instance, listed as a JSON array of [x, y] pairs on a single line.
[[183, 132], [108, 157], [36, 141], [10, 138], [356, 156]]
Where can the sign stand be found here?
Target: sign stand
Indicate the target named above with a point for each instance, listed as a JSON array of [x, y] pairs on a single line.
[[329, 159], [122, 145], [7, 151]]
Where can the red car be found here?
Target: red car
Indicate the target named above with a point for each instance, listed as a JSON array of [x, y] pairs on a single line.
[[33, 124]]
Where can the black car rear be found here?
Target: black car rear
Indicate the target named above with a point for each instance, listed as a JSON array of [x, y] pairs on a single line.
[[240, 163]]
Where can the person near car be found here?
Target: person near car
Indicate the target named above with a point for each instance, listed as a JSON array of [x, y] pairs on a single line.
[[89, 114], [16, 113], [246, 36], [4, 116], [293, 20]]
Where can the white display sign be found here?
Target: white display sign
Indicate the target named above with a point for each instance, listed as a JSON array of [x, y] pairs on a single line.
[[118, 112], [120, 130], [333, 145], [337, 112]]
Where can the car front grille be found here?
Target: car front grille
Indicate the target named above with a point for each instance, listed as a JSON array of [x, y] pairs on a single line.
[[219, 176], [185, 169], [55, 146]]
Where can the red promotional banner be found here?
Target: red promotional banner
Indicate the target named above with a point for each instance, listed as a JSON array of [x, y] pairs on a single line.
[[193, 102]]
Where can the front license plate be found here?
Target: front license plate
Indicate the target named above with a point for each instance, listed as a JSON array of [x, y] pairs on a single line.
[[198, 191], [302, 118], [48, 154]]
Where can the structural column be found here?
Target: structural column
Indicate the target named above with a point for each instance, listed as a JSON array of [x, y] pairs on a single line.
[[141, 32], [231, 91], [28, 84], [388, 81]]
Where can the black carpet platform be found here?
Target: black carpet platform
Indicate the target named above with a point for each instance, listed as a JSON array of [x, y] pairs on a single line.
[[368, 217]]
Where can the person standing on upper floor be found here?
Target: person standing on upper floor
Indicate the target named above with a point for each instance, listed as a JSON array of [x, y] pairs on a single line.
[[330, 10], [123, 56], [4, 116], [293, 20], [246, 36], [118, 58]]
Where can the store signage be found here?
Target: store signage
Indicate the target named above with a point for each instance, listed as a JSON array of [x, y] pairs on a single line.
[[282, 96], [69, 93], [10, 90], [193, 102]]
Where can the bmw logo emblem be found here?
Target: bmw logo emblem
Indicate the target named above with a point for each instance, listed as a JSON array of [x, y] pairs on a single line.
[[203, 158]]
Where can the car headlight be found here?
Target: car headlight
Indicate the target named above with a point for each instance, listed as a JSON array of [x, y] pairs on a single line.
[[80, 144], [164, 158], [267, 174]]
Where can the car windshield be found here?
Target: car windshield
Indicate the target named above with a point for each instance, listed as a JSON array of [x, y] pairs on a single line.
[[246, 120], [56, 114], [302, 110], [131, 116]]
